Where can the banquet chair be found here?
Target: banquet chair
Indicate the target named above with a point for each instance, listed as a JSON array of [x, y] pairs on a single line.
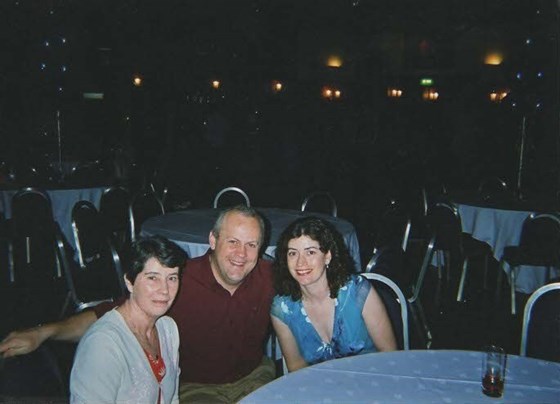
[[396, 305], [540, 333], [452, 245], [144, 205], [98, 281], [415, 202], [539, 245], [161, 191], [31, 237], [448, 242], [393, 231], [116, 215], [87, 230], [231, 190], [323, 198]]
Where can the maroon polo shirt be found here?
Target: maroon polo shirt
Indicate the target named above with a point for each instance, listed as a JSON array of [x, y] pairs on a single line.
[[222, 336]]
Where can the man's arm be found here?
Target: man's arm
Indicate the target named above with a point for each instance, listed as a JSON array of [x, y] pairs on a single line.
[[26, 341]]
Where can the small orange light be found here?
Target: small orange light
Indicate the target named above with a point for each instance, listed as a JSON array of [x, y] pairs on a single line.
[[337, 94], [394, 92], [276, 86], [137, 80], [497, 96], [216, 84], [430, 94]]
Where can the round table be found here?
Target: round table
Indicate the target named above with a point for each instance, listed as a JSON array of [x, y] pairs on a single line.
[[422, 376], [190, 229]]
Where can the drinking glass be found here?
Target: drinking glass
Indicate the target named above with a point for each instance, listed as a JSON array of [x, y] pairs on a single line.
[[493, 371]]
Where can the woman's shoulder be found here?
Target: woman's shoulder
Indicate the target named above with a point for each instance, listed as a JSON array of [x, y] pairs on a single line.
[[356, 289], [168, 326], [356, 282], [110, 326], [167, 323], [283, 305]]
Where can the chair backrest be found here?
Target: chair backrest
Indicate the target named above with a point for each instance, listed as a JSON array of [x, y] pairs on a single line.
[[31, 212], [492, 187], [144, 205], [231, 190], [540, 235], [393, 228], [101, 280], [540, 334], [161, 191], [318, 199], [32, 235], [88, 232], [393, 299], [116, 214], [445, 223]]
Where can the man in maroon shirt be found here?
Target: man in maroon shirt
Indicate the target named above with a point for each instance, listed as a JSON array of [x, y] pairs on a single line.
[[222, 311]]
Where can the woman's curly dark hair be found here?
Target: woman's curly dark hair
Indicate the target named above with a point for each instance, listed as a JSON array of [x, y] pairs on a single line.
[[329, 239]]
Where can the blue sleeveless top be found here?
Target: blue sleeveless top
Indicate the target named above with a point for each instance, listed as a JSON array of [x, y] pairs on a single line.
[[350, 335]]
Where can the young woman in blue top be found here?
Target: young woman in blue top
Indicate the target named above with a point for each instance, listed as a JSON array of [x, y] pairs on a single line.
[[322, 311]]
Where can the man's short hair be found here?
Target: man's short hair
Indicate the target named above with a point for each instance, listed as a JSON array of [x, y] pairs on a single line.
[[242, 210]]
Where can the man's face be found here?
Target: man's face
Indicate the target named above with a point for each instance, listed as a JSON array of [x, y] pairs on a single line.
[[235, 250]]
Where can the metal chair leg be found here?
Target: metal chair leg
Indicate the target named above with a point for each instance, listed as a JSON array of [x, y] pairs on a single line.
[[11, 264], [462, 281], [512, 290], [485, 279], [499, 281], [420, 322]]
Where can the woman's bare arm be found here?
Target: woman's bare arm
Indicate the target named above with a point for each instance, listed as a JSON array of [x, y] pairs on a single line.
[[290, 350], [378, 323]]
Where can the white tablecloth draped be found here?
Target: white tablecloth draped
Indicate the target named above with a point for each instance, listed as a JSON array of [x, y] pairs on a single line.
[[190, 229], [423, 376]]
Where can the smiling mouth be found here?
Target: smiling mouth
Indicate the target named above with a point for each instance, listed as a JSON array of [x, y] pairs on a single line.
[[303, 272]]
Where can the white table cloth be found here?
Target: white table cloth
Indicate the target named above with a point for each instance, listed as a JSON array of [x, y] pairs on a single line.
[[423, 376], [62, 202], [500, 228], [190, 229]]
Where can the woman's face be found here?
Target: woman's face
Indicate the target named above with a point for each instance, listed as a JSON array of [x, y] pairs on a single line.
[[306, 261], [155, 288]]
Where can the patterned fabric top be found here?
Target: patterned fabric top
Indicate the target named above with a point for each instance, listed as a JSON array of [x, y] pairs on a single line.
[[350, 336]]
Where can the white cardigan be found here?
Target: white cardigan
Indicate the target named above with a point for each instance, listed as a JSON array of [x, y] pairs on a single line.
[[110, 366]]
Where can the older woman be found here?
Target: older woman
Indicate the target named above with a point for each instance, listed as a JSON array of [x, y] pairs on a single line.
[[321, 310], [131, 354]]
